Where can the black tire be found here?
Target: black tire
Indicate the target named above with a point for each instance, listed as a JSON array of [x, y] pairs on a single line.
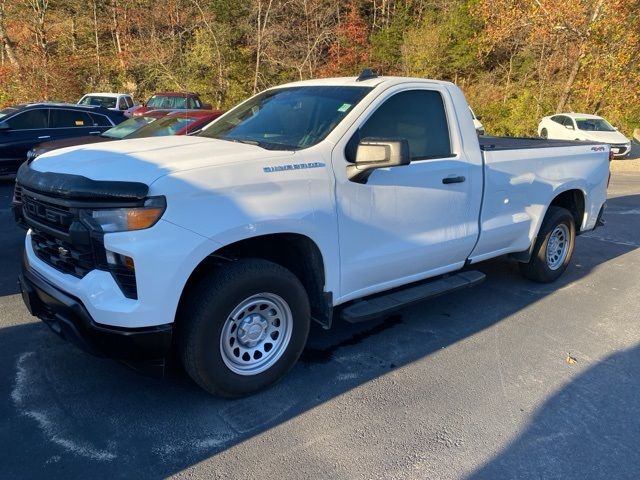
[[205, 313], [544, 133], [538, 269]]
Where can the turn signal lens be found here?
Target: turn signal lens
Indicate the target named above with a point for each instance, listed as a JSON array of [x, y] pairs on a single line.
[[141, 218]]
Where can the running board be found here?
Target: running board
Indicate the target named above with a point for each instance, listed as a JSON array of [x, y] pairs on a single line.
[[374, 307]]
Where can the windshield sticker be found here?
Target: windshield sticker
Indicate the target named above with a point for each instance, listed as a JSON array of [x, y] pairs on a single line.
[[344, 107], [295, 166]]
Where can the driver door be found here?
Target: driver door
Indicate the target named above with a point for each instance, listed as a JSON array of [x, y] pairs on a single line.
[[405, 223]]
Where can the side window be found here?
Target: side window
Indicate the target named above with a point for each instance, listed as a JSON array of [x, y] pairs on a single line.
[[567, 122], [129, 101], [417, 116], [122, 104], [558, 119], [29, 120], [100, 120], [70, 119]]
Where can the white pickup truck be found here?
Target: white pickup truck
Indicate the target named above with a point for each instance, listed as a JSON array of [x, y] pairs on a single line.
[[333, 199]]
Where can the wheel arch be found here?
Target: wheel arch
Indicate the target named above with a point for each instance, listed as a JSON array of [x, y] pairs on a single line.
[[296, 252], [574, 200]]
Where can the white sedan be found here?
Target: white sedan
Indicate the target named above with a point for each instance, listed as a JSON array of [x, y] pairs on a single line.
[[582, 126]]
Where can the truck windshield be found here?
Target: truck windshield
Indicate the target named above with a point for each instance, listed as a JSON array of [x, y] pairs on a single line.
[[162, 101], [594, 125], [287, 118], [106, 102]]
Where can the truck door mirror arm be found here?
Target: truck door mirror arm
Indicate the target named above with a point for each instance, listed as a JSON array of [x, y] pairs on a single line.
[[374, 153]]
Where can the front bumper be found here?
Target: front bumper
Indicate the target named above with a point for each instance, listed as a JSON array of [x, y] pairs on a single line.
[[68, 317]]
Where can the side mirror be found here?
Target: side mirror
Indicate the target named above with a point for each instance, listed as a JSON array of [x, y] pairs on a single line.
[[207, 106], [374, 153], [4, 126], [569, 127]]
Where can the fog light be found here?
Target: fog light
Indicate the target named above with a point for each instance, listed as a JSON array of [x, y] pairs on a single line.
[[117, 260], [123, 270]]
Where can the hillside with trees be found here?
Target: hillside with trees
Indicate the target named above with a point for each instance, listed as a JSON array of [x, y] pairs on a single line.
[[516, 60]]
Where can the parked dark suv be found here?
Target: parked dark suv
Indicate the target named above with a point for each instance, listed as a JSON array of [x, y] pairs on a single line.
[[23, 126]]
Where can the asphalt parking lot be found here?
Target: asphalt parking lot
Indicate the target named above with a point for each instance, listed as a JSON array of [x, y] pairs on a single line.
[[510, 379]]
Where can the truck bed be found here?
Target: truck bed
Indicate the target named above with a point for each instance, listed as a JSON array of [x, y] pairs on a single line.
[[518, 143]]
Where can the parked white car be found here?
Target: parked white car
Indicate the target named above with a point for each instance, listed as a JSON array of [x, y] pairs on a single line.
[[582, 126], [113, 101]]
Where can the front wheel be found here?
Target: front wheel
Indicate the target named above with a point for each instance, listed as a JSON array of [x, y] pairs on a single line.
[[553, 248], [544, 133], [243, 327]]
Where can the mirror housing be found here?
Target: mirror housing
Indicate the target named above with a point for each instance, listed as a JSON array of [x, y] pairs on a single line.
[[374, 153], [4, 126], [569, 127], [207, 106]]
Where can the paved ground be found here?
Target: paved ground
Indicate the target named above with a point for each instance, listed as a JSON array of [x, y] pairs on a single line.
[[472, 385]]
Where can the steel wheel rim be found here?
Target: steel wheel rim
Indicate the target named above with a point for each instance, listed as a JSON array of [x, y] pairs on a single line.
[[256, 334], [558, 246]]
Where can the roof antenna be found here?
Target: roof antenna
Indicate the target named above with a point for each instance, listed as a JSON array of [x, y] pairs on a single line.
[[366, 74]]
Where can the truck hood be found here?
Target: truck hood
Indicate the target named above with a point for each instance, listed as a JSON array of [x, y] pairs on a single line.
[[604, 137], [147, 159]]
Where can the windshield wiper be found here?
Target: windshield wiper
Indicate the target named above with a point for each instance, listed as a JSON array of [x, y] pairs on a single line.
[[257, 143]]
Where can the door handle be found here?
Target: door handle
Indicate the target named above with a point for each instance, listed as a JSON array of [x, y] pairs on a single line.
[[95, 133], [448, 180], [44, 137]]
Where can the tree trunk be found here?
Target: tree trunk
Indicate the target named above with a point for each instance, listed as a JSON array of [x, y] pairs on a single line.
[[97, 39], [575, 69], [262, 25], [7, 45]]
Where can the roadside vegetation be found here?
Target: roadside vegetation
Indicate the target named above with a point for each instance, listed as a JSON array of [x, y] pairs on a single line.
[[515, 60]]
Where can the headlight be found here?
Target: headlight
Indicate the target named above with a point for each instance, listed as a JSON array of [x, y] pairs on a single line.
[[127, 219]]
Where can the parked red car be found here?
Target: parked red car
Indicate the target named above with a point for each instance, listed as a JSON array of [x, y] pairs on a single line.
[[173, 101], [177, 123]]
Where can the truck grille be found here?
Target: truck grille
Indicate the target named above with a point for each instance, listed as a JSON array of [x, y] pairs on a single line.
[[60, 240], [55, 216], [73, 259], [50, 225], [17, 194]]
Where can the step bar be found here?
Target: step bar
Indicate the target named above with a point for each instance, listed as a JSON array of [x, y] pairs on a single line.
[[383, 304]]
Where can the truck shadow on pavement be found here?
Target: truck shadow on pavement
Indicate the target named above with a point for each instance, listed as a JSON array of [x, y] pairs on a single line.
[[79, 416], [589, 429]]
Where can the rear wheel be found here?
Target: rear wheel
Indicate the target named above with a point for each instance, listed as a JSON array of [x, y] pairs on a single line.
[[544, 133], [243, 327], [553, 248]]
